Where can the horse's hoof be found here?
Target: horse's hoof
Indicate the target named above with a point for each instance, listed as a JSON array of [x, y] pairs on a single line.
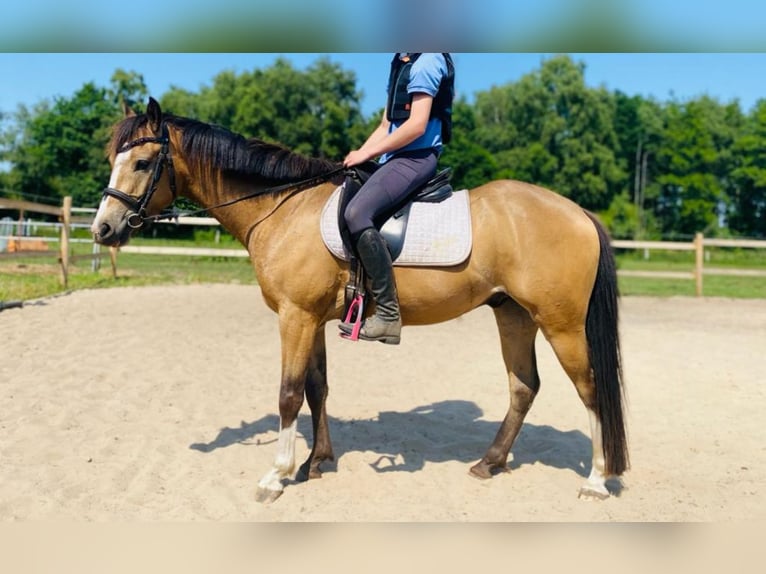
[[589, 492], [481, 470], [485, 470], [266, 495]]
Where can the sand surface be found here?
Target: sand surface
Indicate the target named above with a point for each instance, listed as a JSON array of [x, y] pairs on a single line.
[[160, 404]]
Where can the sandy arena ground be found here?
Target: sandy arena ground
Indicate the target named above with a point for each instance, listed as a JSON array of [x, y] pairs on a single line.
[[160, 404]]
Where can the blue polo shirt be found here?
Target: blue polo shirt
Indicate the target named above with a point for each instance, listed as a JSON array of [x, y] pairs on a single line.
[[425, 77]]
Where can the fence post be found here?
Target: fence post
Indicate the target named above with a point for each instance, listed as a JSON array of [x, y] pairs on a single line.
[[113, 259], [66, 220], [95, 263], [699, 262]]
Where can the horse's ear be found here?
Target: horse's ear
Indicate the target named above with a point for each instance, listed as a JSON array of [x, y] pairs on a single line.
[[127, 111], [154, 113]]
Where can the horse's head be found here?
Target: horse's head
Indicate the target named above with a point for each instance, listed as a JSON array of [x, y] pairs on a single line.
[[142, 183]]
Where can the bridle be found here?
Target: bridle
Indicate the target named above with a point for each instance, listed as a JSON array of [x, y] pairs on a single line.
[[138, 206]]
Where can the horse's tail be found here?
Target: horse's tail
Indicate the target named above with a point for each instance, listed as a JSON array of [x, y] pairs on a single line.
[[601, 330]]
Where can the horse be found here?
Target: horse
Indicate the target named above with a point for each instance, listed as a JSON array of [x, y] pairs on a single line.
[[540, 261]]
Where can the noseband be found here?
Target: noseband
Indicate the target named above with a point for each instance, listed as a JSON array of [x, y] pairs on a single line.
[[138, 206]]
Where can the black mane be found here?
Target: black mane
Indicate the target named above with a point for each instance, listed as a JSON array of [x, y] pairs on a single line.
[[209, 148]]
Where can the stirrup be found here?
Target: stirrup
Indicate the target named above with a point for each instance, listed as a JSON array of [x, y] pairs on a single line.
[[362, 334], [354, 317]]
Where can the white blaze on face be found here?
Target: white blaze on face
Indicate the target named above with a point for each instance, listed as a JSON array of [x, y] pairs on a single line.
[[120, 162]]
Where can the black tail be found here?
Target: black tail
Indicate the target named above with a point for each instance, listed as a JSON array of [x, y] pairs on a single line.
[[601, 330]]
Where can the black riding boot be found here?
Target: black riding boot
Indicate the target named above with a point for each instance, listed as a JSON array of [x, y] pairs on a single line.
[[386, 325]]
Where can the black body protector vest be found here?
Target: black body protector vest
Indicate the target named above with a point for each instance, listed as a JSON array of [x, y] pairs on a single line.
[[400, 102]]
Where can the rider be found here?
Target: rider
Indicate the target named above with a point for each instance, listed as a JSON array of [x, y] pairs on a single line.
[[409, 140]]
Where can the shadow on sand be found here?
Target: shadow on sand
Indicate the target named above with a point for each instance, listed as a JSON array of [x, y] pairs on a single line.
[[439, 432]]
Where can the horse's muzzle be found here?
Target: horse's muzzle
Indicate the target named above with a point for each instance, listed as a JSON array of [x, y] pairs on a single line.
[[105, 234]]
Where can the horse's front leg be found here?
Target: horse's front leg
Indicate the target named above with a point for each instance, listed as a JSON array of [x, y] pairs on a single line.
[[298, 331], [316, 395]]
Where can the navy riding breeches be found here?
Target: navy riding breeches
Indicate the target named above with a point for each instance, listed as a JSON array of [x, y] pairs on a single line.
[[388, 188]]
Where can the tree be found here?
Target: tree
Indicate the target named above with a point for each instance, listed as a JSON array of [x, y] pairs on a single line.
[[315, 112], [695, 161], [128, 87], [471, 164], [57, 150], [747, 214], [550, 129], [639, 128], [622, 217]]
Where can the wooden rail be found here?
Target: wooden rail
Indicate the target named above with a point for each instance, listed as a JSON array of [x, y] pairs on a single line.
[[67, 221], [698, 246], [64, 213], [23, 206], [189, 251]]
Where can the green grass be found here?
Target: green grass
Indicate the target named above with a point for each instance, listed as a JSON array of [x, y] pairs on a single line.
[[683, 261], [36, 277], [33, 278], [712, 286]]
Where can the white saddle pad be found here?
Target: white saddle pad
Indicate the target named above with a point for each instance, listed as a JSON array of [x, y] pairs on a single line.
[[438, 234]]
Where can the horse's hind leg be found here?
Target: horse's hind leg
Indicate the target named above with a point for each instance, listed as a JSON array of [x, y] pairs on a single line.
[[316, 396], [571, 348], [517, 339]]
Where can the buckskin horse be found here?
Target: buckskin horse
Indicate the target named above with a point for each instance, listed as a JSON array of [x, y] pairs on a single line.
[[538, 260]]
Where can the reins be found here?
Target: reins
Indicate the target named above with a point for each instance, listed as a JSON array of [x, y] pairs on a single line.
[[294, 187], [138, 217]]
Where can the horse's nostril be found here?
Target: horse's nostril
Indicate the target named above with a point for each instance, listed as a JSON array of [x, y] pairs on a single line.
[[105, 230]]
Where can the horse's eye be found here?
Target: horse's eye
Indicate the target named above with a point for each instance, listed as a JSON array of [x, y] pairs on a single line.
[[142, 165]]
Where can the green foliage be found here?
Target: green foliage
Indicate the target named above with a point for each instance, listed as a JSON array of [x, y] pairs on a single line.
[[748, 197], [57, 149], [695, 159], [316, 112], [128, 88], [550, 129], [622, 217], [471, 164]]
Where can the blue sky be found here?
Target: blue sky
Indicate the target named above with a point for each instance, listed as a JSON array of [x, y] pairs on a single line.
[[29, 78]]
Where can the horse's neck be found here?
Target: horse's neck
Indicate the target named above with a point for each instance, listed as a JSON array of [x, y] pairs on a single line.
[[270, 215], [237, 218]]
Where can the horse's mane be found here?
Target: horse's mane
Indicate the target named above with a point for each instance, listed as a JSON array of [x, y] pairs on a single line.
[[211, 148]]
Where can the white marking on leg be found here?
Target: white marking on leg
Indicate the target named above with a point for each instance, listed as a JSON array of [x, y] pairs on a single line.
[[284, 463], [595, 486]]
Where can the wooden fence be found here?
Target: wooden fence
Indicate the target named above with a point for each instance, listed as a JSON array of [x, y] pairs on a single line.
[[698, 247], [696, 273], [18, 241], [20, 245]]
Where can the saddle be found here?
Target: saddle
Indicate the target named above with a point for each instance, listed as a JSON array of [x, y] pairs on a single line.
[[392, 226]]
